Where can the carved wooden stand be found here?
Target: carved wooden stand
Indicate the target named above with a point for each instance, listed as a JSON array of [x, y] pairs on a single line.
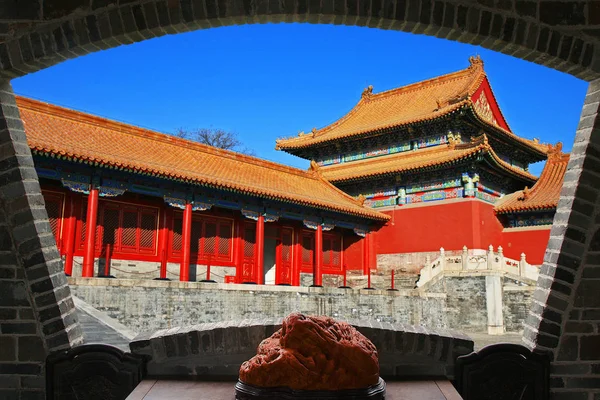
[[244, 391]]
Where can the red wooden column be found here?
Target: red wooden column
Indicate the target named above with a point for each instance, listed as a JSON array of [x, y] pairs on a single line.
[[318, 264], [260, 249], [366, 255], [186, 240], [68, 247], [297, 256], [238, 250], [342, 256], [90, 233], [163, 242]]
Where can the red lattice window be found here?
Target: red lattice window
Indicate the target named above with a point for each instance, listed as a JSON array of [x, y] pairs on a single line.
[[308, 243], [326, 251], [148, 226], [54, 208], [83, 219], [336, 252], [286, 247], [111, 226], [176, 238], [225, 241], [249, 241], [196, 235], [211, 238], [127, 228], [332, 247]]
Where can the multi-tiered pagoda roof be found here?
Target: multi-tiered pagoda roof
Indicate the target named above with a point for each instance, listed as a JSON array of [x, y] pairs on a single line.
[[412, 112]]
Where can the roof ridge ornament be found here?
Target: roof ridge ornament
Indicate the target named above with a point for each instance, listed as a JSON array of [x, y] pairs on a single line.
[[476, 61], [367, 93], [315, 168], [361, 199], [555, 151], [453, 140], [525, 194]]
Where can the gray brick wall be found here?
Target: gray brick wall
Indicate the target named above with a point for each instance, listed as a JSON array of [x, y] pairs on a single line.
[[465, 303], [152, 305], [218, 349], [516, 304], [564, 316], [36, 309], [561, 34]]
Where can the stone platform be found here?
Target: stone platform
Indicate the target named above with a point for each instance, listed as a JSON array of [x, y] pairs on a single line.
[[197, 390]]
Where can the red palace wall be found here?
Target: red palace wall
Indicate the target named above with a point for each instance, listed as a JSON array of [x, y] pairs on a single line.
[[452, 225], [532, 242]]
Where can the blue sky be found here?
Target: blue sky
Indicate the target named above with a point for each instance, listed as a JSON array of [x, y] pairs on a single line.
[[274, 80]]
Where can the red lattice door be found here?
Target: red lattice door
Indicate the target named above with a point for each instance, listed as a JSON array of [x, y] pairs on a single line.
[[284, 263], [248, 272]]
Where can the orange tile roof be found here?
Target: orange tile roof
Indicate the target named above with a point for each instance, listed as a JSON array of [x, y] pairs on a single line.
[[418, 102], [545, 193], [78, 136], [432, 157]]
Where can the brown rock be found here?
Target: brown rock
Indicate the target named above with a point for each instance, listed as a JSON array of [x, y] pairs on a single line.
[[313, 353]]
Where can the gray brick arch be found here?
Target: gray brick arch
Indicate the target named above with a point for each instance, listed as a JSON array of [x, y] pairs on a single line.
[[553, 33], [564, 35]]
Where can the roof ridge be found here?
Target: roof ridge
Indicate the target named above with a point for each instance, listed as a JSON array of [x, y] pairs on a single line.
[[545, 192], [316, 169], [475, 68], [556, 159], [91, 119]]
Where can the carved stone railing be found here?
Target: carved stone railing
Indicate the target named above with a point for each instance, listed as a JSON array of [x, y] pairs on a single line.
[[479, 261]]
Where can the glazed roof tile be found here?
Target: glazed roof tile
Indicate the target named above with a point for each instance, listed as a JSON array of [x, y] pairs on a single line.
[[423, 101], [544, 195], [432, 157], [54, 130]]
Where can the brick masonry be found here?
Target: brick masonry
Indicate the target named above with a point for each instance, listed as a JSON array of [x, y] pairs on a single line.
[[564, 318], [218, 349], [36, 309], [151, 305], [457, 303], [561, 34]]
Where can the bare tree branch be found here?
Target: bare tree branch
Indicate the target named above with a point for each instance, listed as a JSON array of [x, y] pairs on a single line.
[[215, 137]]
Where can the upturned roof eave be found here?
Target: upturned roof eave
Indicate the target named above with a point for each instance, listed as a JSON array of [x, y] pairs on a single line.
[[485, 151], [375, 130], [539, 154], [371, 215], [526, 209]]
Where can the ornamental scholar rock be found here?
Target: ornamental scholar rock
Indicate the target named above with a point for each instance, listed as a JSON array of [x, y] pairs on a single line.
[[313, 353]]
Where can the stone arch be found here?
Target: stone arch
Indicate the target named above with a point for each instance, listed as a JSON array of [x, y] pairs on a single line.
[[560, 34], [541, 32]]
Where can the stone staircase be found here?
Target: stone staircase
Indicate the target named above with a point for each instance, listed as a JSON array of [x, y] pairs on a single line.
[[100, 328]]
